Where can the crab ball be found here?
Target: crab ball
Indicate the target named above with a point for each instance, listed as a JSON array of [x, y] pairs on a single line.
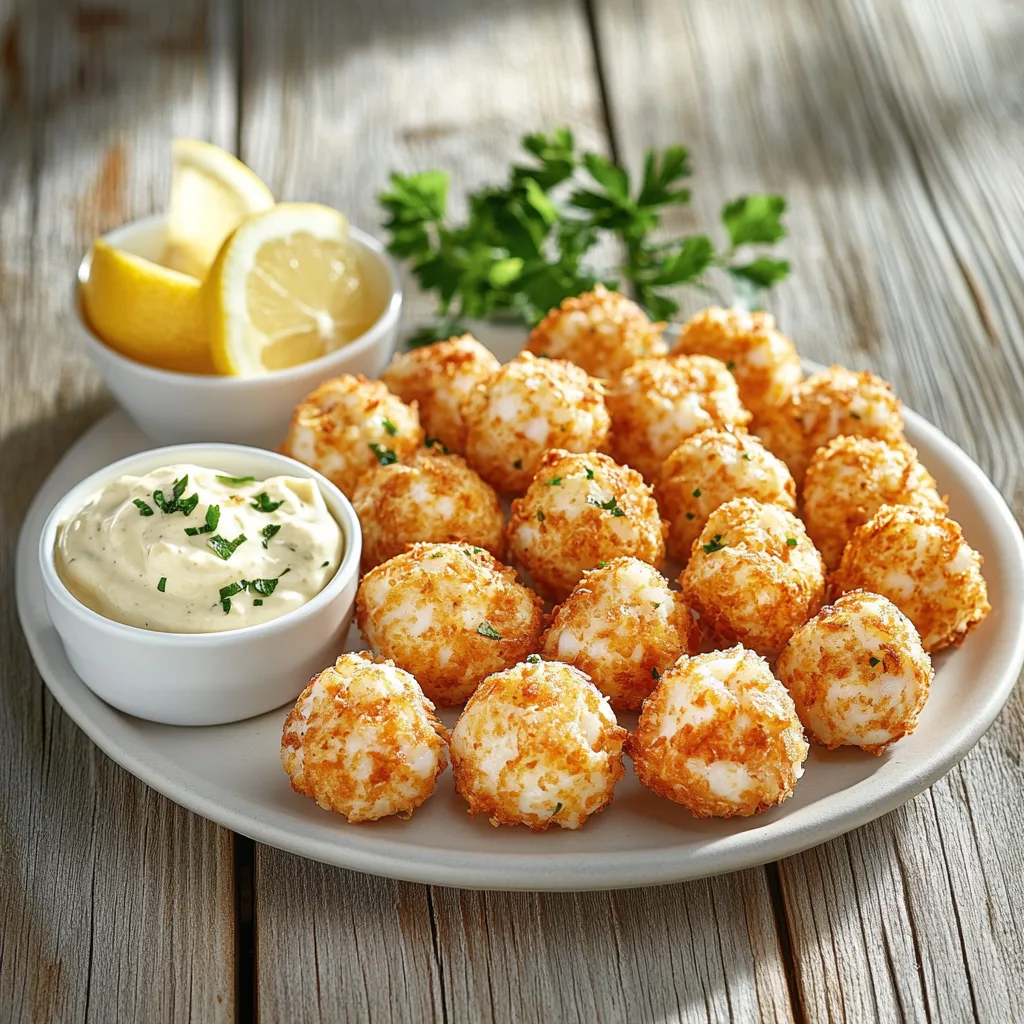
[[450, 614], [709, 469], [833, 402], [720, 736], [921, 562], [754, 575], [432, 497], [350, 424], [580, 511], [657, 403], [761, 358], [624, 627], [363, 741], [527, 407], [537, 745], [602, 331], [857, 673], [438, 377], [851, 478]]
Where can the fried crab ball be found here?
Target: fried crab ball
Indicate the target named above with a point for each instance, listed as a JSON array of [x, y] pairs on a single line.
[[432, 497], [857, 673], [833, 402], [602, 331], [713, 467], [537, 745], [762, 359], [527, 407], [921, 562], [720, 736], [348, 425], [450, 614], [754, 575], [581, 511], [657, 403], [851, 478], [363, 741], [438, 377], [624, 627]]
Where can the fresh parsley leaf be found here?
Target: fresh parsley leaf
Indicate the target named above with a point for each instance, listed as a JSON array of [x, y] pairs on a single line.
[[228, 592], [611, 505], [754, 219], [697, 492], [558, 807], [746, 455], [263, 587], [390, 427], [690, 515], [323, 565], [144, 509], [235, 481], [433, 442], [534, 659], [176, 503], [385, 456], [540, 516], [763, 272], [487, 630], [715, 544], [269, 532], [257, 602], [590, 473], [262, 503], [162, 585], [874, 661], [224, 548], [731, 365], [791, 542], [212, 519], [655, 674], [555, 481], [600, 565]]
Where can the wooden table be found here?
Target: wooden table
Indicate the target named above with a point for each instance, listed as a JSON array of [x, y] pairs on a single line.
[[893, 128]]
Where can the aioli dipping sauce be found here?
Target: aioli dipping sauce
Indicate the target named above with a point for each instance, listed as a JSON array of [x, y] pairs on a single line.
[[191, 550]]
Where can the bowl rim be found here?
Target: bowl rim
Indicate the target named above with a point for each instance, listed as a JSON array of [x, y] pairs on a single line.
[[339, 506], [380, 328]]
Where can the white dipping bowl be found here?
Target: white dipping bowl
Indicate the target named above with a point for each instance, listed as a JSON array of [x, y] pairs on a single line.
[[203, 678], [173, 408]]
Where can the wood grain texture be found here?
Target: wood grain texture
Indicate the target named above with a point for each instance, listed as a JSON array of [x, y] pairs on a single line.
[[114, 903], [890, 129]]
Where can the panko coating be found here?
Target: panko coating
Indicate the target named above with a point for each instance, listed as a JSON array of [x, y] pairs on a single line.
[[579, 511], [711, 468], [348, 425], [857, 673], [450, 614], [624, 627], [826, 404], [602, 331], [363, 741], [720, 736], [658, 403], [438, 377], [851, 478], [921, 562], [527, 407], [537, 745], [761, 358], [754, 575], [431, 498]]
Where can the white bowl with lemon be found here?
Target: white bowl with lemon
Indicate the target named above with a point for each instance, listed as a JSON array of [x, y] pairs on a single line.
[[213, 321]]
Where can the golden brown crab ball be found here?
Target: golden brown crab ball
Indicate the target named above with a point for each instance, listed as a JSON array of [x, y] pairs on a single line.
[[761, 358], [754, 575], [363, 741], [857, 673], [658, 403], [851, 478], [438, 377], [527, 407], [430, 498], [711, 468], [921, 562], [602, 331], [624, 627], [450, 614], [537, 745], [826, 404], [720, 736], [350, 424], [579, 511]]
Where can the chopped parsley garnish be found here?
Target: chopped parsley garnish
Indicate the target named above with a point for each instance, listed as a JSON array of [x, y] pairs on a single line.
[[590, 473], [186, 506], [473, 551], [385, 456], [263, 587], [540, 516], [555, 481], [162, 585], [390, 427], [435, 442], [144, 509], [655, 674], [855, 415], [534, 659], [558, 807], [697, 492], [262, 503], [234, 481], [874, 661], [437, 554], [715, 544], [518, 464], [228, 592], [611, 505], [690, 515], [268, 533], [791, 542], [731, 365], [600, 565], [746, 455], [212, 519], [257, 602], [487, 630], [224, 548], [657, 604], [323, 565]]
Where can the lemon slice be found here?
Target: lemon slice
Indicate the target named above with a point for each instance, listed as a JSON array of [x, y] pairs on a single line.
[[144, 310], [211, 192], [285, 288]]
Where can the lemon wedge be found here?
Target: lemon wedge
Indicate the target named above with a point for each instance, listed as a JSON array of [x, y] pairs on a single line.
[[211, 192], [146, 311], [285, 288]]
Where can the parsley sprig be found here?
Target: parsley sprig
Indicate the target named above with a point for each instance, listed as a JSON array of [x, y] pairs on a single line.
[[524, 245], [212, 520], [176, 503]]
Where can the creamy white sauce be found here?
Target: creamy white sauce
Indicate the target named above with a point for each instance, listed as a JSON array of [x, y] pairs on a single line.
[[113, 554]]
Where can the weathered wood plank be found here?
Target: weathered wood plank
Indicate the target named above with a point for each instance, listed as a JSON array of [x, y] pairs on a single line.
[[114, 903]]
